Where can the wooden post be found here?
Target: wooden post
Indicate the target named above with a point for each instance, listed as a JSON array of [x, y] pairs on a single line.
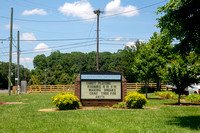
[[51, 88], [31, 88], [136, 86], [63, 88]]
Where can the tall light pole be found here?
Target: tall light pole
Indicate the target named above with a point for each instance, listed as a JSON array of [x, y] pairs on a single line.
[[10, 54], [98, 13]]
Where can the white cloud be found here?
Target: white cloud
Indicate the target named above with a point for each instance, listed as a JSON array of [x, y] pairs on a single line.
[[35, 11], [130, 44], [118, 39], [24, 60], [42, 47], [14, 26], [28, 37], [114, 7], [81, 9]]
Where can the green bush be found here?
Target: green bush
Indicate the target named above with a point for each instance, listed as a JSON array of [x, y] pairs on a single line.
[[135, 100], [115, 106], [121, 104], [167, 94], [107, 106], [193, 98], [66, 101]]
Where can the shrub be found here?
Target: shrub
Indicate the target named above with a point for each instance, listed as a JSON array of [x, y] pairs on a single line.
[[107, 106], [115, 106], [135, 100], [122, 104], [193, 98], [66, 101], [167, 94]]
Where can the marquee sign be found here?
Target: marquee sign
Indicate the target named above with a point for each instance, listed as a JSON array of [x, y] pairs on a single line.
[[101, 86]]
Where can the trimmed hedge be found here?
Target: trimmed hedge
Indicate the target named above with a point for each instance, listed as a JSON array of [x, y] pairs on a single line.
[[65, 101], [135, 100]]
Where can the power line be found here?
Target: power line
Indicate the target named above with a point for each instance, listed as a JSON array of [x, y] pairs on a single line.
[[62, 48], [43, 50], [65, 45], [65, 39]]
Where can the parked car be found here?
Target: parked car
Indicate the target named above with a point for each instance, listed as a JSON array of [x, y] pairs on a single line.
[[195, 88]]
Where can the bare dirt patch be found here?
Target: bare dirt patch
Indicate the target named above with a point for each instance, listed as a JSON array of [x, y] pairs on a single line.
[[92, 108], [12, 103]]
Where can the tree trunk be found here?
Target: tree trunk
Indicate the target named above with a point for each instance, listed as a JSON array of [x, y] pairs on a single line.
[[158, 85], [179, 96], [146, 87]]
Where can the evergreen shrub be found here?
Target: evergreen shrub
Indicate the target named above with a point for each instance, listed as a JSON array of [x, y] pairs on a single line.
[[65, 101], [135, 100]]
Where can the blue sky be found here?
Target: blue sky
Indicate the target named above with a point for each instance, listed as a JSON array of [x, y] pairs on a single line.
[[70, 25]]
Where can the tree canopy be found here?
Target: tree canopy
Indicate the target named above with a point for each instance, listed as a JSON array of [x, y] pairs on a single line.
[[180, 22]]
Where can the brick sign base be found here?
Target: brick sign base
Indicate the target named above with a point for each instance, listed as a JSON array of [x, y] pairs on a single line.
[[98, 102]]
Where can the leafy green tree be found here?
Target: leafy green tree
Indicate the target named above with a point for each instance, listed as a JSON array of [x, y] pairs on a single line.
[[147, 63], [162, 46], [183, 72], [40, 62], [24, 74], [129, 55], [181, 22]]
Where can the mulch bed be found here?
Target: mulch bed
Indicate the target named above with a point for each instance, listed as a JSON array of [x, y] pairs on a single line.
[[91, 108]]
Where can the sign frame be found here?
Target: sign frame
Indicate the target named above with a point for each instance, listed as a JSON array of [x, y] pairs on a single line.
[[117, 77]]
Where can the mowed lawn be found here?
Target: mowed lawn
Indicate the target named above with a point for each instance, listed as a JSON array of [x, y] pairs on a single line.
[[160, 118]]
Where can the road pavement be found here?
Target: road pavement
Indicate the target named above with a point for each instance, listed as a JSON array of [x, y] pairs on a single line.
[[3, 91]]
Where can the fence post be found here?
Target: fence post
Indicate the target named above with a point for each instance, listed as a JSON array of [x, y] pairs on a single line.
[[136, 85], [31, 88], [63, 88], [51, 88]]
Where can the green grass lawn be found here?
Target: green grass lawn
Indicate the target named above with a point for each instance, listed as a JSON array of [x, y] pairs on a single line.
[[27, 118]]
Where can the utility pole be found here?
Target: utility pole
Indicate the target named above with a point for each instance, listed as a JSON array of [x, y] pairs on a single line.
[[10, 54], [45, 79], [18, 62], [98, 13]]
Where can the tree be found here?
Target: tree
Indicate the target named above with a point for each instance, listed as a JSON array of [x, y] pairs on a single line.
[[181, 22], [129, 55], [40, 62], [147, 63], [161, 45], [183, 72]]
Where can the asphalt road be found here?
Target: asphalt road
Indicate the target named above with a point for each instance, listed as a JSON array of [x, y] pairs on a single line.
[[3, 91]]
